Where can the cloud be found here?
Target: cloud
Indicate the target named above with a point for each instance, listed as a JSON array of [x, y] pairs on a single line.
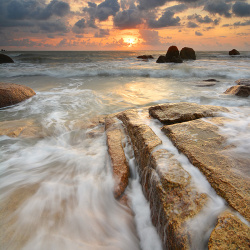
[[53, 26], [177, 8], [150, 37], [79, 26], [102, 33], [206, 19], [241, 9], [192, 25], [197, 33], [246, 23], [106, 9], [166, 20], [127, 19], [218, 7]]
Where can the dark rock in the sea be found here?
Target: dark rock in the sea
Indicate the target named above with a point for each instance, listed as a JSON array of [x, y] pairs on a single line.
[[239, 90], [11, 94], [145, 57], [229, 231], [173, 55], [119, 163], [245, 82], [5, 59], [210, 80], [187, 54], [161, 59], [181, 112], [234, 52]]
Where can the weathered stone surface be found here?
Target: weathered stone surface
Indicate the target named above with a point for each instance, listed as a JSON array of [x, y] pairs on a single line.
[[206, 149], [11, 94], [165, 183], [234, 52], [173, 55], [229, 233], [5, 59], [245, 82], [239, 90], [118, 159], [21, 128], [181, 112], [187, 54]]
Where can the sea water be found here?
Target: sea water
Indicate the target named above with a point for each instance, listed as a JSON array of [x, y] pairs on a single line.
[[56, 190]]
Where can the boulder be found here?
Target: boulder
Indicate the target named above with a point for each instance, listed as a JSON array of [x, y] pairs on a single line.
[[115, 136], [145, 57], [173, 55], [210, 80], [245, 82], [11, 94], [181, 112], [234, 52], [229, 231], [239, 90], [161, 59], [5, 59], [208, 150], [187, 54]]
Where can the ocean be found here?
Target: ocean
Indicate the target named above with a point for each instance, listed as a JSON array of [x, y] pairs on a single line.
[[56, 189]]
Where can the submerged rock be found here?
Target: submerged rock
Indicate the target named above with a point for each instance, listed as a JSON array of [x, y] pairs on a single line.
[[5, 59], [11, 94], [234, 52], [187, 54], [161, 59], [145, 57], [210, 80], [239, 90]]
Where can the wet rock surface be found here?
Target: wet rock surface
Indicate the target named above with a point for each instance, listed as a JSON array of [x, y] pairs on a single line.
[[11, 94], [5, 59], [230, 233], [182, 112], [245, 82], [187, 54], [174, 199], [234, 52], [145, 57], [239, 90]]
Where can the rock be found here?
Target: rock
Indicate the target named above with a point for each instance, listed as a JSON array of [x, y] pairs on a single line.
[[234, 52], [230, 232], [115, 137], [239, 90], [145, 57], [206, 149], [21, 128], [11, 94], [245, 82], [183, 111], [161, 59], [5, 59], [173, 55], [187, 54], [210, 80], [166, 185]]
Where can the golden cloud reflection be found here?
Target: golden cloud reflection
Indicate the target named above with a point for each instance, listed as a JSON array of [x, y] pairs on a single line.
[[142, 93]]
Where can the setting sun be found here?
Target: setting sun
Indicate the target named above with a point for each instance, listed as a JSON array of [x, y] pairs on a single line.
[[130, 41]]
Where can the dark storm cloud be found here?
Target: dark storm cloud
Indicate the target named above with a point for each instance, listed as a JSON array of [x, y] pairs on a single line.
[[241, 9], [79, 26], [166, 20], [106, 9], [151, 4], [102, 33], [218, 7], [205, 19], [192, 25], [177, 8], [127, 19], [53, 26], [20, 10]]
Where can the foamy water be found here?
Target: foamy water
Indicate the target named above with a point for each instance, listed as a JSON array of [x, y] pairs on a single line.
[[56, 191]]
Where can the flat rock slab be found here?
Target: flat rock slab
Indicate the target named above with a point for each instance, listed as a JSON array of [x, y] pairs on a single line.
[[230, 233], [206, 149], [120, 166], [11, 94], [245, 82], [181, 112]]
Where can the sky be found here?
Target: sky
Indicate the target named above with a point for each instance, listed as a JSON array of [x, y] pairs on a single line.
[[216, 25]]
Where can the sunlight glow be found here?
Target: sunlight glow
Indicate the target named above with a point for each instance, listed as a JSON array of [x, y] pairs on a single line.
[[130, 41]]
